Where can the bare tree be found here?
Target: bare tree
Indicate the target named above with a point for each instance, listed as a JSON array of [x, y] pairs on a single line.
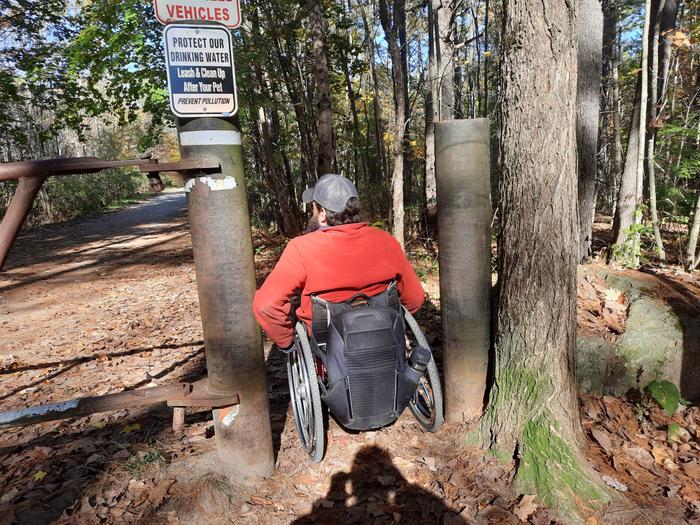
[[326, 149], [590, 49], [391, 20]]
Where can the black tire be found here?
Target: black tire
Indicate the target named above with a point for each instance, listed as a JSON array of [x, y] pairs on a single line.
[[427, 402], [306, 397]]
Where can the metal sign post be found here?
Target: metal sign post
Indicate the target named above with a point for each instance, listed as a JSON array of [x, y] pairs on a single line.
[[201, 81]]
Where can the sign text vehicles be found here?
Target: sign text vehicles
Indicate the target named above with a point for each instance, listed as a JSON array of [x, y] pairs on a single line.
[[226, 12], [201, 73]]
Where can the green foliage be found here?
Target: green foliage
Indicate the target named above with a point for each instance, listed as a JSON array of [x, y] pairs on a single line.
[[629, 253], [673, 432], [666, 394]]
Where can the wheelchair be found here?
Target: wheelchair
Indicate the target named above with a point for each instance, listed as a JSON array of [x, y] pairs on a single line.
[[375, 401]]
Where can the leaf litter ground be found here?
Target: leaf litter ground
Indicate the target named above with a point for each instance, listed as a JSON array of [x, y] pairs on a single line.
[[109, 303]]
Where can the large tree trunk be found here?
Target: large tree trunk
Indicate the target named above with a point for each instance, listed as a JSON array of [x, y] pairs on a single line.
[[391, 23], [532, 415], [590, 37], [326, 150]]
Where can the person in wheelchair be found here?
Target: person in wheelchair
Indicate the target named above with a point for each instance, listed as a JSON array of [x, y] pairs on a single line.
[[340, 257], [356, 287]]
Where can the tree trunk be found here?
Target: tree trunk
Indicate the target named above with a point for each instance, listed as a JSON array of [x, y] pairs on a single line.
[[626, 199], [590, 38], [652, 118], [617, 116], [692, 256], [380, 175], [487, 52], [643, 103], [326, 150], [444, 15], [532, 415], [391, 24], [430, 116]]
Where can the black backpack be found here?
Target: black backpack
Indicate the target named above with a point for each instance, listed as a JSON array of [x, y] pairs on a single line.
[[362, 343]]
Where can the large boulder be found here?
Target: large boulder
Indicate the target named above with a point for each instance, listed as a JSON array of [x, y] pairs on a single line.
[[658, 340]]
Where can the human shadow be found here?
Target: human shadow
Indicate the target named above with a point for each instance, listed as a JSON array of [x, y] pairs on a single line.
[[375, 491]]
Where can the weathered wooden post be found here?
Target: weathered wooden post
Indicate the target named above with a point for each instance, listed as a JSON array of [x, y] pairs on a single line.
[[464, 225]]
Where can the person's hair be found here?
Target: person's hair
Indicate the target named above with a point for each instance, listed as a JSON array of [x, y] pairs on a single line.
[[350, 215]]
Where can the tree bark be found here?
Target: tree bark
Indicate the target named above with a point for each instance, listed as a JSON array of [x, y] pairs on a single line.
[[692, 256], [444, 16], [391, 21], [643, 103], [652, 118], [532, 414], [430, 116], [617, 115], [326, 149], [590, 38]]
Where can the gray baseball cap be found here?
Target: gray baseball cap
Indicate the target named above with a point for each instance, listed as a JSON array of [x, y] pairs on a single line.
[[331, 191]]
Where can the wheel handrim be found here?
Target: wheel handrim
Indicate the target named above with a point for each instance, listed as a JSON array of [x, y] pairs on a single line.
[[422, 404], [301, 399]]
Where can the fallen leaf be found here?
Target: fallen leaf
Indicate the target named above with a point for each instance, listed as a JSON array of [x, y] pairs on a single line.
[[39, 476], [641, 456], [690, 493], [615, 484], [430, 463], [602, 438], [160, 491], [660, 454], [526, 507], [261, 502], [128, 429], [692, 469]]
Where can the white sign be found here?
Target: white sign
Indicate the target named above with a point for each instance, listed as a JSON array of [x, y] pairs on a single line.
[[226, 12], [201, 73]]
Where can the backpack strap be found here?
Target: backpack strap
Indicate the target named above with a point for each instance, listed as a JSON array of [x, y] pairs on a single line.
[[320, 320], [321, 311]]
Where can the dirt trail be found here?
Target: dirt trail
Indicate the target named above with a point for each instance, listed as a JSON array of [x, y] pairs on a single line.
[[109, 303]]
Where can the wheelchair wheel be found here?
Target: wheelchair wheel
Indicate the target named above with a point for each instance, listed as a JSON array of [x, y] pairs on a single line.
[[306, 397], [427, 402]]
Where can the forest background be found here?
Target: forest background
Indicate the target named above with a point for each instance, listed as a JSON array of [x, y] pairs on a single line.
[[353, 87]]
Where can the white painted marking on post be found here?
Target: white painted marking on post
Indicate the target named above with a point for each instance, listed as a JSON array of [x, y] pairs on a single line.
[[231, 416], [210, 138], [229, 183]]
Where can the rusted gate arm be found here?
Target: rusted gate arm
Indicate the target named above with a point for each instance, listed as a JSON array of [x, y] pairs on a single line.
[[177, 396], [33, 173], [83, 165]]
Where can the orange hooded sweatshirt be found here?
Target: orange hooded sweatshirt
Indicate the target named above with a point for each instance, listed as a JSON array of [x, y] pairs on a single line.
[[333, 263]]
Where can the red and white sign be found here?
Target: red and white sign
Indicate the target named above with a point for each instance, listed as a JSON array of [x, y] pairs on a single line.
[[226, 12]]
